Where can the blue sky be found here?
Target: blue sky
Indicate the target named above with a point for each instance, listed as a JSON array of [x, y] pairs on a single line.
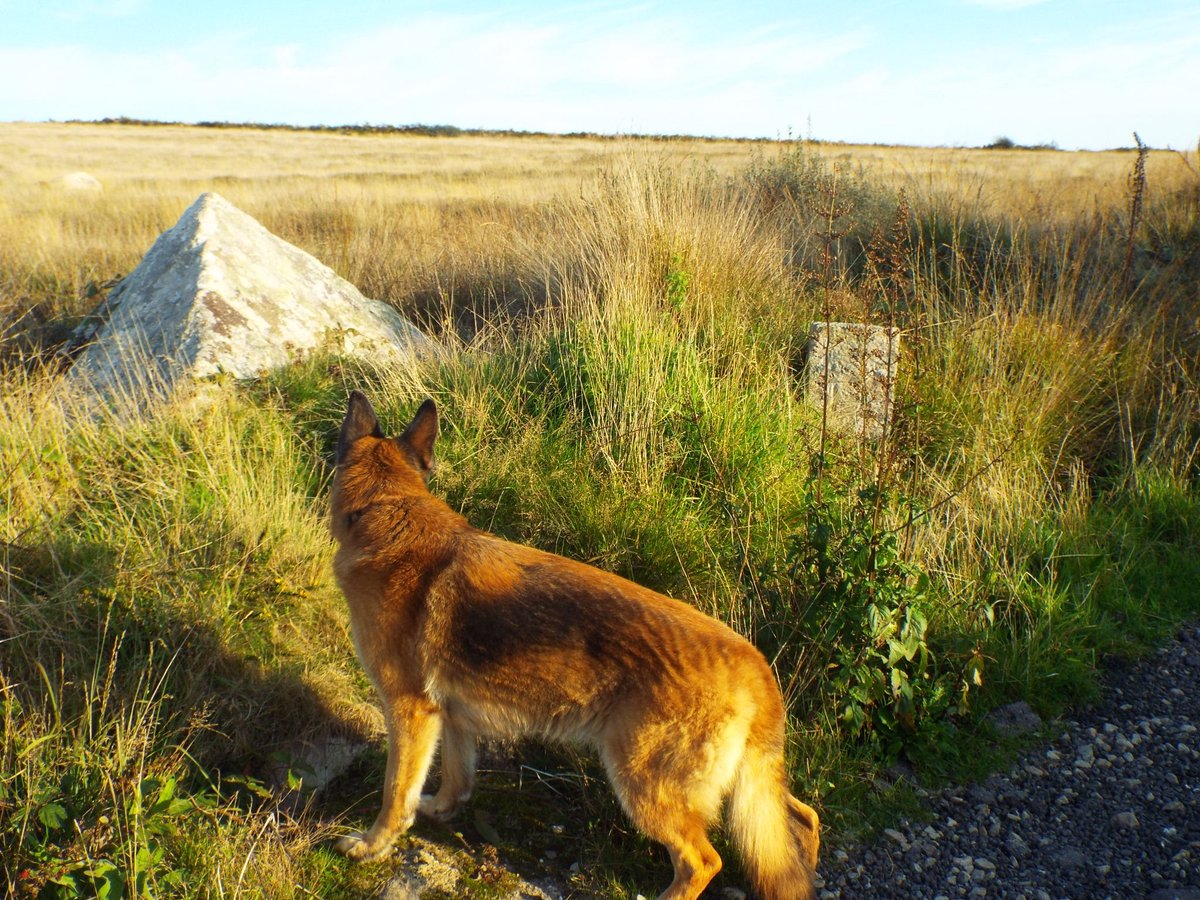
[[1081, 73]]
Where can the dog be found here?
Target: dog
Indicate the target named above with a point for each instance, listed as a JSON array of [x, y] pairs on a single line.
[[466, 635]]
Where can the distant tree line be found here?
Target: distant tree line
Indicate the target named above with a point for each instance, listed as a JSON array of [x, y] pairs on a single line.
[[1007, 143], [427, 130], [1002, 142]]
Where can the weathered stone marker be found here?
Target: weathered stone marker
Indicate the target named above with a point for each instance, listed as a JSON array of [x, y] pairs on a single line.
[[850, 372], [218, 293]]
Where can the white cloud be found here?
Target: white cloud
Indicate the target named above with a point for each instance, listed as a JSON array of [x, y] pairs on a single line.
[[580, 74], [1092, 95], [1005, 4], [79, 10]]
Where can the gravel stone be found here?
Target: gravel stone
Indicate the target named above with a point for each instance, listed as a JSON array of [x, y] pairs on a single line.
[[1070, 858], [1125, 820], [1109, 808]]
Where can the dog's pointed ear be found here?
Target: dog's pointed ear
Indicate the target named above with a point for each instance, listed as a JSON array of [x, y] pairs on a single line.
[[420, 436], [360, 422]]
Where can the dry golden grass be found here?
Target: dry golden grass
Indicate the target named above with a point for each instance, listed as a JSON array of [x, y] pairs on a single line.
[[1023, 183], [399, 215], [505, 167], [411, 166], [422, 221]]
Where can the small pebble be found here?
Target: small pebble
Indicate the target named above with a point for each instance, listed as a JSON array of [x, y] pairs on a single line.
[[1125, 820]]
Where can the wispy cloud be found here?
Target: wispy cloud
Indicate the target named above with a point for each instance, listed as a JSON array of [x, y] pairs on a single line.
[[1005, 5], [592, 72], [80, 10], [1094, 93]]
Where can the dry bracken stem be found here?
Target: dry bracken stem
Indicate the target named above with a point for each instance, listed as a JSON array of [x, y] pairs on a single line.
[[1137, 193]]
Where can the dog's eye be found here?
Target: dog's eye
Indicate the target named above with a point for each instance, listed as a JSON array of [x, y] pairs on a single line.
[[353, 517]]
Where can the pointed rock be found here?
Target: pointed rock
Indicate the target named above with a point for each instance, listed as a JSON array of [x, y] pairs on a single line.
[[218, 293]]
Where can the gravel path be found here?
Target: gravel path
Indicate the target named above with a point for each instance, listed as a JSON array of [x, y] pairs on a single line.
[[1110, 809]]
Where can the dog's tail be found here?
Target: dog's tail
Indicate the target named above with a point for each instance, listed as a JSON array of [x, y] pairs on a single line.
[[777, 835]]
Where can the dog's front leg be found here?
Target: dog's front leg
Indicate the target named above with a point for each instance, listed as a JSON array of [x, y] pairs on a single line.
[[413, 724]]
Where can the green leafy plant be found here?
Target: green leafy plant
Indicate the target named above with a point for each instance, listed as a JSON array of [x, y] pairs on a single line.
[[92, 856], [677, 280], [865, 607]]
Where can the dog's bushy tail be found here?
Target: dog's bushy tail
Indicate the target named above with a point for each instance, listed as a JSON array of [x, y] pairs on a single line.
[[776, 833]]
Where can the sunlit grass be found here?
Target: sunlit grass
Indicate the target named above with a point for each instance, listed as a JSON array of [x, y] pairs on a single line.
[[624, 323]]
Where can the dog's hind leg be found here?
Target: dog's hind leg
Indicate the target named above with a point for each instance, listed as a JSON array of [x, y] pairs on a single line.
[[684, 832], [413, 724], [458, 771], [673, 808]]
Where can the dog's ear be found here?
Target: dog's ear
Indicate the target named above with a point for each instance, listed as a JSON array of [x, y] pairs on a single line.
[[360, 422], [419, 437]]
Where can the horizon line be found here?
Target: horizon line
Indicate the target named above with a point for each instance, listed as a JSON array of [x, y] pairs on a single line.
[[1001, 142]]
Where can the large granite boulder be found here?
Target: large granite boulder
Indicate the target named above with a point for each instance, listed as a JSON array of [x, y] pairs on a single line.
[[218, 293]]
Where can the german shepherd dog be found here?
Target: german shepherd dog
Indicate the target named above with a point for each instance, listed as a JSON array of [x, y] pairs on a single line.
[[466, 635]]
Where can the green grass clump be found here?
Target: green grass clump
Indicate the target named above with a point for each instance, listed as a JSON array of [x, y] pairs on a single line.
[[163, 579]]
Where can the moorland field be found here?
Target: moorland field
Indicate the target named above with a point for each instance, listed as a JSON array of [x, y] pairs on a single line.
[[624, 322]]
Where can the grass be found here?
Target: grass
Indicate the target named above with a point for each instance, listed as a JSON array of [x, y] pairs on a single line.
[[624, 323]]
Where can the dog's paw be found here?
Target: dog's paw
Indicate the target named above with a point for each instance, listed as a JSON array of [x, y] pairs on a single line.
[[360, 848], [437, 808]]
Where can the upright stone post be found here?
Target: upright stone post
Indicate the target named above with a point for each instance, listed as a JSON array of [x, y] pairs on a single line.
[[850, 373]]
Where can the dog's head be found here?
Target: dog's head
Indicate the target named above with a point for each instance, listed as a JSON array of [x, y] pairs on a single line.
[[372, 467]]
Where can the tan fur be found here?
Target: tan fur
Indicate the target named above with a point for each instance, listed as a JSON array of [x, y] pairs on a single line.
[[467, 635]]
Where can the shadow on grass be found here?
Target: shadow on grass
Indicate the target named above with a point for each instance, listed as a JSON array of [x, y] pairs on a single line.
[[94, 666], [550, 813], [75, 633]]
